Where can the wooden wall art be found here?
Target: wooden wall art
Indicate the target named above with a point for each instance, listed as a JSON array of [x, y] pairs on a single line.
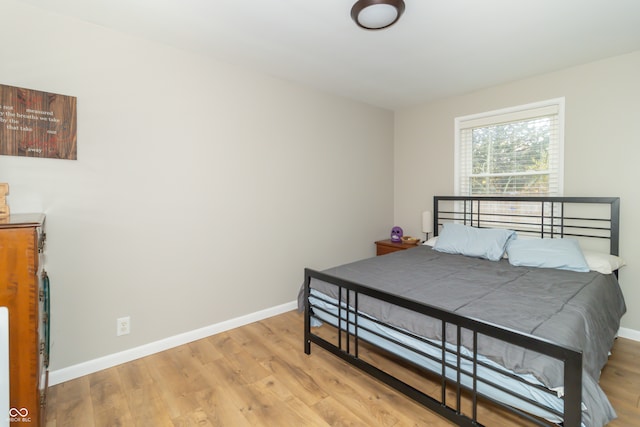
[[37, 124]]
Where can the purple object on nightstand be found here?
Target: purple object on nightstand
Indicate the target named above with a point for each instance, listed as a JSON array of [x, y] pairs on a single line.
[[396, 234]]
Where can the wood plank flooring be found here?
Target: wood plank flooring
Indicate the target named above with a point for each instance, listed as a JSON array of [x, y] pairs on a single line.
[[258, 375]]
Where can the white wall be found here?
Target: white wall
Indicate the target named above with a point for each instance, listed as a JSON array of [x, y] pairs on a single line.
[[602, 150], [200, 192]]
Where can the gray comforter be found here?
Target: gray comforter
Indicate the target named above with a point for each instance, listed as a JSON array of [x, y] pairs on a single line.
[[580, 310]]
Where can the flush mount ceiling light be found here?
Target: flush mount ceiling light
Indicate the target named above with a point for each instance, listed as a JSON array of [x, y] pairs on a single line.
[[377, 14]]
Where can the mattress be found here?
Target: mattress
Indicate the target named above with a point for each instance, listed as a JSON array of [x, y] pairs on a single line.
[[579, 310]]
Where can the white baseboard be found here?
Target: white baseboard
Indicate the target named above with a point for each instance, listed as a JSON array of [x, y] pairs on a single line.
[[76, 371], [631, 334]]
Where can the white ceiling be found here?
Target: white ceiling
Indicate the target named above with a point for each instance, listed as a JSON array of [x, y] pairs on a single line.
[[439, 48]]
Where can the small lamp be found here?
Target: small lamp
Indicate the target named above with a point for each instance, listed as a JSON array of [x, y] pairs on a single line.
[[377, 14], [427, 223]]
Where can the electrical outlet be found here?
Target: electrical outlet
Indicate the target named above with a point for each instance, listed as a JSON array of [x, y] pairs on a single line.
[[123, 326]]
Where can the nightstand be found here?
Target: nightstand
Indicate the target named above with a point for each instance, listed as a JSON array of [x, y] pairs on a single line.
[[384, 247]]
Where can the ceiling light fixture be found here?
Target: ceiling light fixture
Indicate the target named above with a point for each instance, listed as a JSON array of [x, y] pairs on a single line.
[[377, 14]]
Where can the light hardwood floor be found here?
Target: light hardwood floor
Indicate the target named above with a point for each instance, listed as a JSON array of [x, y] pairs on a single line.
[[258, 375]]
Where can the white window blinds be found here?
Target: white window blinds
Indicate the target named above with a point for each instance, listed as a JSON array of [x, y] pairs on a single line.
[[515, 151]]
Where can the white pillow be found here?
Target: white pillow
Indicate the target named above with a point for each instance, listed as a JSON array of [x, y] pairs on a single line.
[[431, 242], [603, 263]]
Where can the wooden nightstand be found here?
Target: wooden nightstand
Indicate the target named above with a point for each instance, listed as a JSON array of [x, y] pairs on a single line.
[[384, 247]]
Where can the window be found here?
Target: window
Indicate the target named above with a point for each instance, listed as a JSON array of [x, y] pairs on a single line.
[[515, 151]]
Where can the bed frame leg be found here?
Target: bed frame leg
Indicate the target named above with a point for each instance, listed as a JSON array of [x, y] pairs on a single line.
[[307, 331], [307, 313]]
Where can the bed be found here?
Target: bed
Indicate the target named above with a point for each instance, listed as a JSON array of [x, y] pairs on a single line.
[[531, 338]]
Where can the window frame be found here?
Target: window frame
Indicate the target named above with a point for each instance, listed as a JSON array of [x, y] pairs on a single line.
[[495, 117]]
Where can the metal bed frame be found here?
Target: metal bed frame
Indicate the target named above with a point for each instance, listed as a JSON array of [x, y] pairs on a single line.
[[548, 217]]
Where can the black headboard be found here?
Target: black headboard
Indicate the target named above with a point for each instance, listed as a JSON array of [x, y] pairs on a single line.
[[585, 218]]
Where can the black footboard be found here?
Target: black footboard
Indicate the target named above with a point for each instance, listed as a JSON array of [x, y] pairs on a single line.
[[352, 332]]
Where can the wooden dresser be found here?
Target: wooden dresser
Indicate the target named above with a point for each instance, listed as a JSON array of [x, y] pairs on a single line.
[[24, 290]]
